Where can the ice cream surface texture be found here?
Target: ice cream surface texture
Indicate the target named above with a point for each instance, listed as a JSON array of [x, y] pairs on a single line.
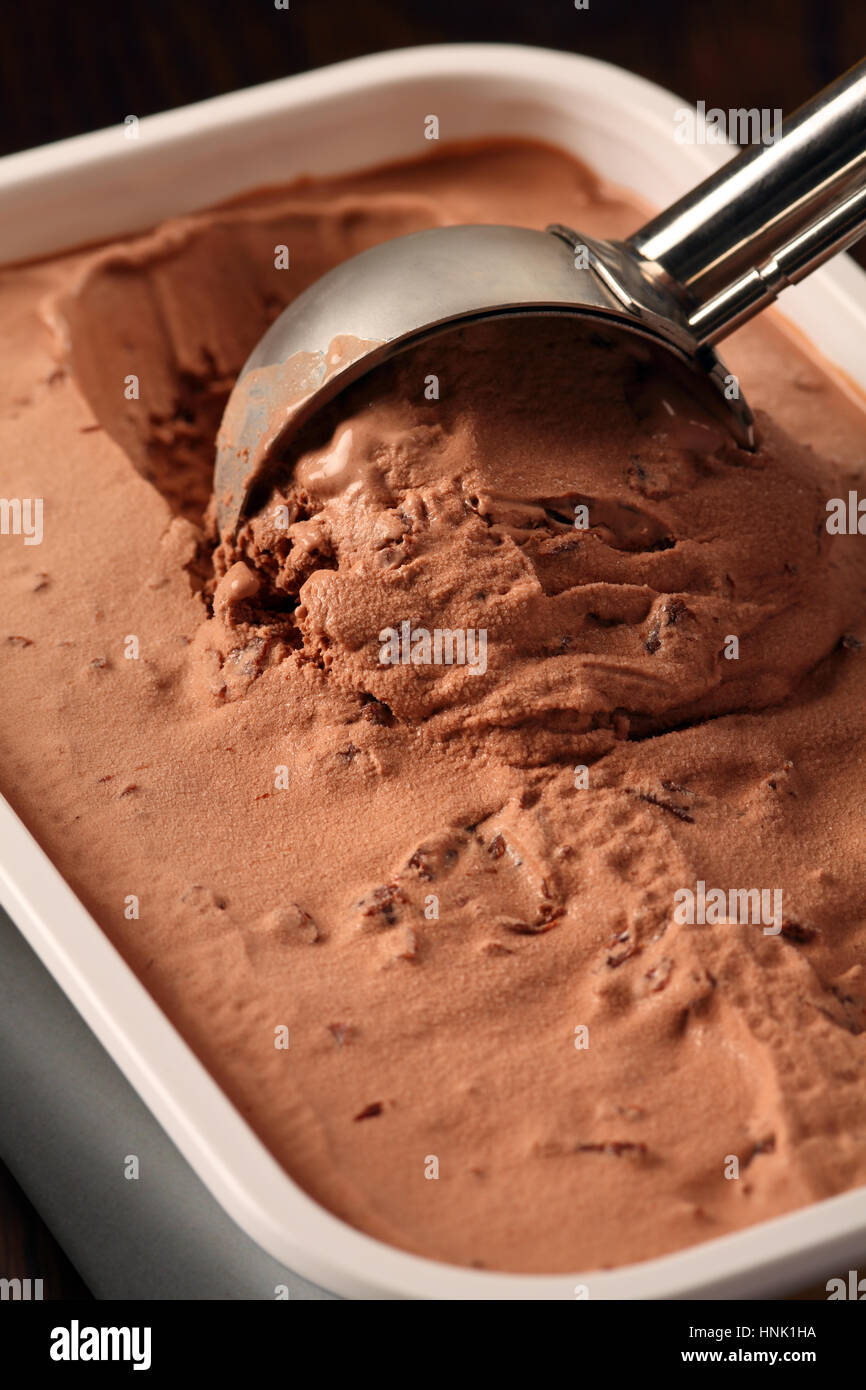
[[520, 661]]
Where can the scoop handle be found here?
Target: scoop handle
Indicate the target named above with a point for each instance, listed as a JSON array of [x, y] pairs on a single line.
[[769, 217]]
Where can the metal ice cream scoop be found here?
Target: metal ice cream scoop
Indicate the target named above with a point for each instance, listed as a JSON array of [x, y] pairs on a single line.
[[683, 281]]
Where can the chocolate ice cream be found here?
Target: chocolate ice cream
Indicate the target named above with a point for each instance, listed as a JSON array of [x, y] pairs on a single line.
[[439, 763]]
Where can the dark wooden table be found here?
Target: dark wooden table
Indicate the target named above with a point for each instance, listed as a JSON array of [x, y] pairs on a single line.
[[68, 68], [27, 1248]]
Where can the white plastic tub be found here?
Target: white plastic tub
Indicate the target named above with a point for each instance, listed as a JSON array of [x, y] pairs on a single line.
[[341, 118]]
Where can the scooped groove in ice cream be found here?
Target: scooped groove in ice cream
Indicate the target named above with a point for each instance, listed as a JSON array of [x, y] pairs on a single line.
[[452, 886]]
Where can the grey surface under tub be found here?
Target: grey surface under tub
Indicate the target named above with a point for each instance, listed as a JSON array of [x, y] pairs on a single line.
[[68, 1118]]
